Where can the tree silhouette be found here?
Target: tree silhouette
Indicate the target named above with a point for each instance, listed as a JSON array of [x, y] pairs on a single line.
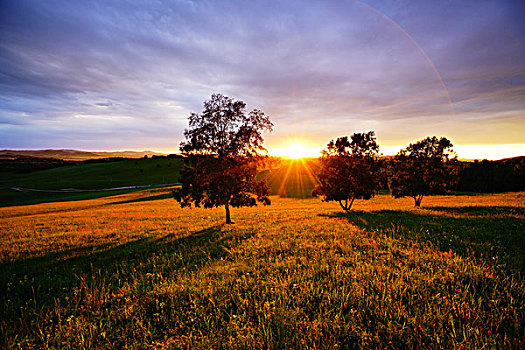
[[222, 155], [492, 176], [349, 170], [423, 168]]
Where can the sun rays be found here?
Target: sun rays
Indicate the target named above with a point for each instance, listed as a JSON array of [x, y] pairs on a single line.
[[295, 178]]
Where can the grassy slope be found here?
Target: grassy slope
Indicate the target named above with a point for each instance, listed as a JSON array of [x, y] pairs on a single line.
[[87, 176], [138, 271], [293, 179]]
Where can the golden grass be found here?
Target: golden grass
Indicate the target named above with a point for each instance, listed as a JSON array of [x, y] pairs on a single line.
[[35, 230], [125, 271]]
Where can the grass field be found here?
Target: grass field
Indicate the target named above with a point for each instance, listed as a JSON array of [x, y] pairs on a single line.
[[132, 172], [137, 271]]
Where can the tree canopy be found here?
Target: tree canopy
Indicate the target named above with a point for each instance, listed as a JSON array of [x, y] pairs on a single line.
[[222, 153], [349, 170], [425, 167]]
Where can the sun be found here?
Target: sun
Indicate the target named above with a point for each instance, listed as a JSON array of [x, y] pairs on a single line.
[[296, 150]]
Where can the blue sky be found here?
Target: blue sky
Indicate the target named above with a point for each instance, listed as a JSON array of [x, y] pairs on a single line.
[[115, 75]]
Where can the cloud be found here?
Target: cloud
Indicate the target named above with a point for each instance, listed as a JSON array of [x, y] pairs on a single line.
[[104, 104], [136, 69]]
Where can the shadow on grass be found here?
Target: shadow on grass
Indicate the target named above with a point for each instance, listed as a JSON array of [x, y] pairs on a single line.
[[485, 211], [38, 281], [479, 233], [12, 198], [145, 199]]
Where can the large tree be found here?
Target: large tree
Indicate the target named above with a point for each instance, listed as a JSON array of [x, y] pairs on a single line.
[[222, 153], [426, 167], [349, 170]]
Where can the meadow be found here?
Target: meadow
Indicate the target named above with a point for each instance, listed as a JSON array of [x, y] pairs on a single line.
[[137, 271]]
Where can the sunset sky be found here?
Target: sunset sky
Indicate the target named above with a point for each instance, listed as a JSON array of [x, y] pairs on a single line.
[[124, 75]]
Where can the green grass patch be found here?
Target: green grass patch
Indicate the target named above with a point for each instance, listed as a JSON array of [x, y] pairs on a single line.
[[85, 176]]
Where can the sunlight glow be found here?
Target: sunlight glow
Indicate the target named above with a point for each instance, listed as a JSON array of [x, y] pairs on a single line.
[[295, 150]]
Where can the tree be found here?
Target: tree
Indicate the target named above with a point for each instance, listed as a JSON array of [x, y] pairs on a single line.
[[423, 168], [349, 170], [222, 155]]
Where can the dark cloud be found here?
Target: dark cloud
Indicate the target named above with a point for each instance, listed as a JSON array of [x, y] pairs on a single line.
[[73, 72]]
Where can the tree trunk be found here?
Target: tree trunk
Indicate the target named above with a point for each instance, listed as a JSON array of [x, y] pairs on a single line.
[[346, 207], [418, 200], [227, 207], [352, 202]]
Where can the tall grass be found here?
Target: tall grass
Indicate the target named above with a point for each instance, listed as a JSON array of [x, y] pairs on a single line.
[[137, 271]]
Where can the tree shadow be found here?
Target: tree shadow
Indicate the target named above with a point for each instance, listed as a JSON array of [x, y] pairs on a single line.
[[40, 280], [11, 198], [479, 234], [145, 199], [485, 211]]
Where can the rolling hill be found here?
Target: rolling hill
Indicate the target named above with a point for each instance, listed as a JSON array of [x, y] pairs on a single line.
[[69, 154], [87, 176]]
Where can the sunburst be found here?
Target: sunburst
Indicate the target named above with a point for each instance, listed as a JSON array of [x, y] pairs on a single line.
[[296, 150]]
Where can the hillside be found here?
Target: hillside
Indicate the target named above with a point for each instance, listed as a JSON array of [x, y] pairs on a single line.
[[87, 176], [68, 154], [292, 179]]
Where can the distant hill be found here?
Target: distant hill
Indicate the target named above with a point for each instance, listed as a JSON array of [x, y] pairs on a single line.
[[69, 154], [23, 164]]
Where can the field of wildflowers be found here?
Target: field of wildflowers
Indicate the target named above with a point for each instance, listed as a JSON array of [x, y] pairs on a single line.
[[137, 271]]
